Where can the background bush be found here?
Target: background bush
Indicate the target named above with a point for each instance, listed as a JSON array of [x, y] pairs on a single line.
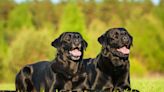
[[29, 47]]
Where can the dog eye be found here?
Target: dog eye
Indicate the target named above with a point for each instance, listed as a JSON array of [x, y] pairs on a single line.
[[78, 36], [115, 35], [68, 38], [124, 33]]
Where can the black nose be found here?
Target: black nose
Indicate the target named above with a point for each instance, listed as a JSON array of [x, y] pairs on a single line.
[[125, 39]]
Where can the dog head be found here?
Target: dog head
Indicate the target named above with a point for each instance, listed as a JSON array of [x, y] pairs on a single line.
[[118, 41], [71, 45]]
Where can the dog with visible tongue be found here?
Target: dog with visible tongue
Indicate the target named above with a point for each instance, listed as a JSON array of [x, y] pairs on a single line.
[[62, 73], [70, 47], [110, 70]]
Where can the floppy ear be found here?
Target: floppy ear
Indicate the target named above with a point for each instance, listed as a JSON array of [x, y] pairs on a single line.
[[131, 40], [102, 40], [56, 43], [85, 44]]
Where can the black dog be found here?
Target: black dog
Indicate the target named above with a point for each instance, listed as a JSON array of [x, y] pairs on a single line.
[[109, 71], [63, 70], [24, 80]]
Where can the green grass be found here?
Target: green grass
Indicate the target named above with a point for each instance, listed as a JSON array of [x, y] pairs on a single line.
[[142, 84], [9, 86], [148, 84]]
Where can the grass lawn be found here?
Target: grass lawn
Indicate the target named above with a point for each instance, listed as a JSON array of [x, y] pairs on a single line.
[[148, 84], [9, 86], [142, 84]]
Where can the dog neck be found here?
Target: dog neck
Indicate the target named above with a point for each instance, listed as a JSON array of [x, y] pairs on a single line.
[[64, 66], [106, 61]]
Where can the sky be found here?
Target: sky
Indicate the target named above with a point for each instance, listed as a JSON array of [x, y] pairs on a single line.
[[156, 2]]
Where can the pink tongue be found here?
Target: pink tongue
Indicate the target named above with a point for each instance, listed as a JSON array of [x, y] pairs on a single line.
[[75, 52], [124, 50]]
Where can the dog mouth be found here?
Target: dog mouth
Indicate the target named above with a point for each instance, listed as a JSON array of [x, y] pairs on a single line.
[[75, 54], [124, 50]]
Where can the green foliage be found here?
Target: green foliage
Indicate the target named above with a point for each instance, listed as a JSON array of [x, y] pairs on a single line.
[[43, 12], [72, 19], [20, 17], [137, 68], [3, 48], [94, 31], [3, 43], [30, 47], [159, 13], [148, 41]]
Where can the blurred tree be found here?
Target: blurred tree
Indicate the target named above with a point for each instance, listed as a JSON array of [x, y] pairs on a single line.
[[30, 47], [3, 42], [20, 17], [161, 3], [43, 12], [148, 41], [90, 10], [107, 8], [5, 8], [72, 19], [3, 48], [158, 11]]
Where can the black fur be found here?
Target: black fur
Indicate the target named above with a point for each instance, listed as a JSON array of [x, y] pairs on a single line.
[[24, 80], [63, 72], [109, 71]]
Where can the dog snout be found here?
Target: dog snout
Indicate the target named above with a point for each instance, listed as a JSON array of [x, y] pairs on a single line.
[[76, 42]]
